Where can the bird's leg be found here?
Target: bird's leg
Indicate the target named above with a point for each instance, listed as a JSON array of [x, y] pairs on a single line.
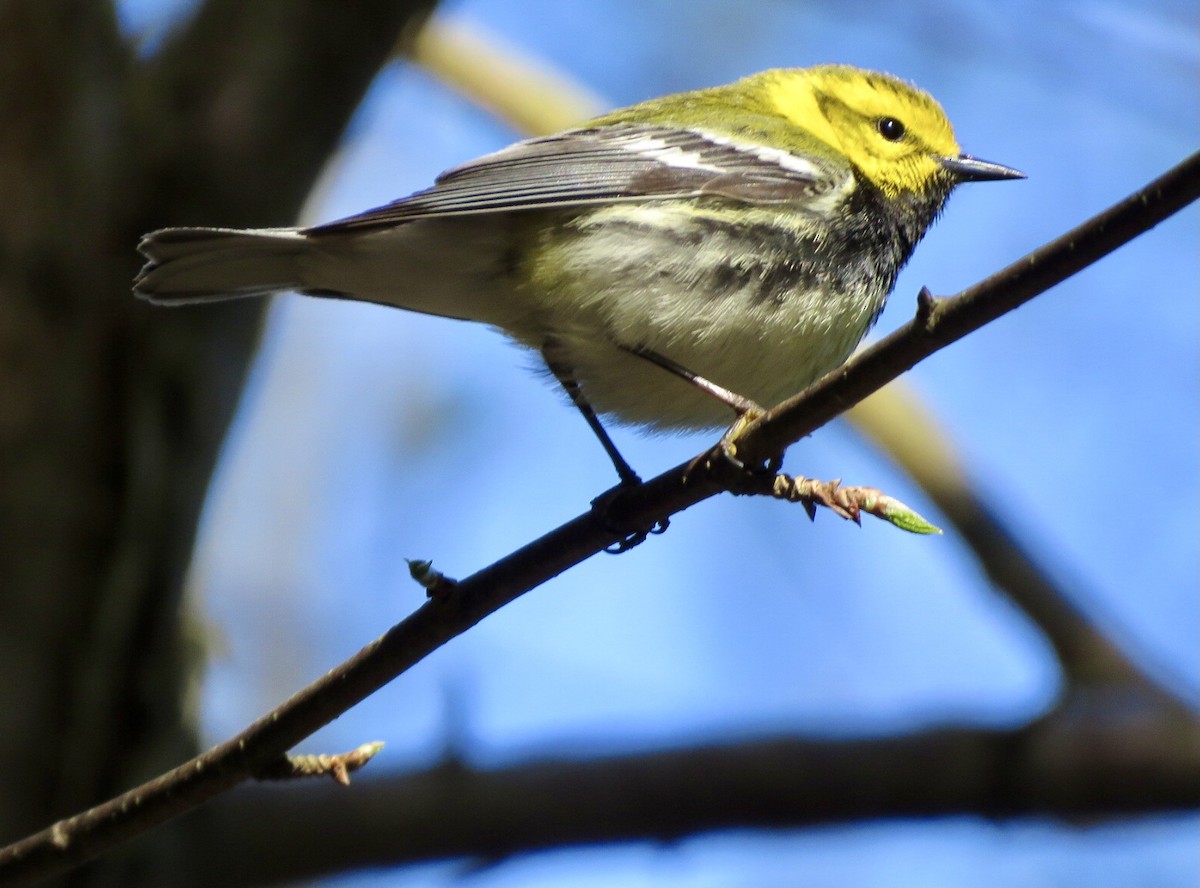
[[566, 379], [735, 402], [746, 410], [629, 478]]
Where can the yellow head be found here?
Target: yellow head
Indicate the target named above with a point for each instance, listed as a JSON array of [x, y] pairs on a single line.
[[896, 134]]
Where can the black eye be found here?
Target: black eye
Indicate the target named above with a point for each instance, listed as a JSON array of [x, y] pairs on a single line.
[[890, 128]]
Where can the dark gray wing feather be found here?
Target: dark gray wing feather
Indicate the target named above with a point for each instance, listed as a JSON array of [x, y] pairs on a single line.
[[601, 165]]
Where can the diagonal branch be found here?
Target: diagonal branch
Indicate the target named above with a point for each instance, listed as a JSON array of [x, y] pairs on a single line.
[[462, 605]]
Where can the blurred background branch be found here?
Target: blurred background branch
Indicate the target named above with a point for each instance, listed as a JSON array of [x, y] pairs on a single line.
[[1079, 763]]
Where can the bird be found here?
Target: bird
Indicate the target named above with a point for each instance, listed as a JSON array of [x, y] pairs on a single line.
[[672, 261]]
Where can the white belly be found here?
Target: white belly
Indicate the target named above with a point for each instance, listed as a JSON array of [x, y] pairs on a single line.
[[763, 336]]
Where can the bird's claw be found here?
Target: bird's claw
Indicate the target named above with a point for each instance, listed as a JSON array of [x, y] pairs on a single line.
[[637, 537], [603, 505], [725, 452]]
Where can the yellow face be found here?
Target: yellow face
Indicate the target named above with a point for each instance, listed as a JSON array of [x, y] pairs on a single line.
[[894, 133]]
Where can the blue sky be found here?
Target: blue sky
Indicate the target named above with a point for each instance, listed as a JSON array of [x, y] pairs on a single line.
[[369, 435]]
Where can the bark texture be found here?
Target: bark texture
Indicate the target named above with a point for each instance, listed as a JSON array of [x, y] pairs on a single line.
[[112, 413]]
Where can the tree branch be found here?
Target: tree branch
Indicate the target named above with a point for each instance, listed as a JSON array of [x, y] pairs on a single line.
[[1079, 761], [461, 606]]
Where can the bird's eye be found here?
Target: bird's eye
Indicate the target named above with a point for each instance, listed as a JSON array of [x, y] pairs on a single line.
[[890, 128]]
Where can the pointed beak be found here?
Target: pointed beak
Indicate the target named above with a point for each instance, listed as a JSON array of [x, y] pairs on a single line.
[[966, 168]]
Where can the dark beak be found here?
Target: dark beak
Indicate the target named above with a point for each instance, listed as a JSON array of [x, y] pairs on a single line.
[[966, 168]]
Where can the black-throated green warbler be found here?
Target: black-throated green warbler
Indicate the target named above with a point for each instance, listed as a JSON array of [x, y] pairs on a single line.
[[669, 260]]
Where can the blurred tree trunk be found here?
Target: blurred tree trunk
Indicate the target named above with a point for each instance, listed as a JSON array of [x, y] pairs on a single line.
[[112, 413]]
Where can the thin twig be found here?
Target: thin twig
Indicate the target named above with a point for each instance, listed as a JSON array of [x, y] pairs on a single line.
[[339, 766], [939, 322]]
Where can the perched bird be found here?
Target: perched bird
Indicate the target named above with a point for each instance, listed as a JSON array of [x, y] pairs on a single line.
[[694, 253]]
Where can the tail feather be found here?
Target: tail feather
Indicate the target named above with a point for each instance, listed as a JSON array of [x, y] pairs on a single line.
[[211, 264], [454, 268]]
